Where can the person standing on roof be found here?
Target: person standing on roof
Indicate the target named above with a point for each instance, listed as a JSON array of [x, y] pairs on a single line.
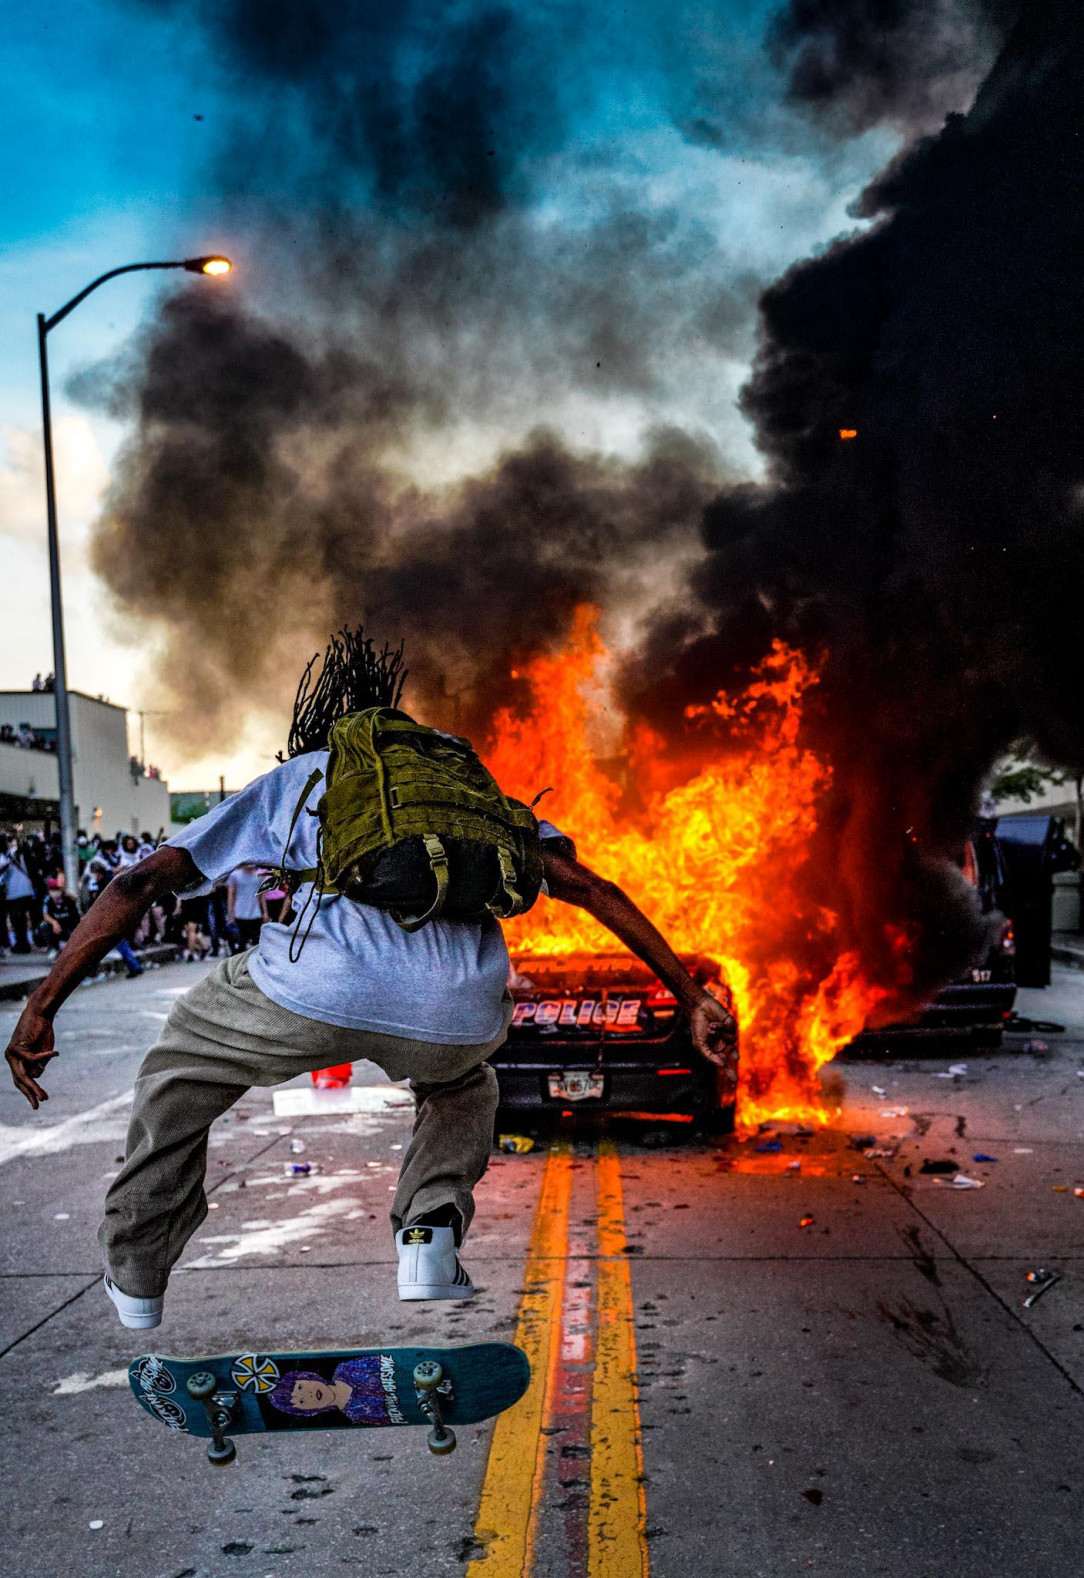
[[422, 995]]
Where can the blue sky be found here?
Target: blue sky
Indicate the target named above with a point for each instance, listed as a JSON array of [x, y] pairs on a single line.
[[105, 163]]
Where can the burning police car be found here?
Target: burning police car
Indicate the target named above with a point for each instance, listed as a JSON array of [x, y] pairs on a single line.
[[601, 1031]]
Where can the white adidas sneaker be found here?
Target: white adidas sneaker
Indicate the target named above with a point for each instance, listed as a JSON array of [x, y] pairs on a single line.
[[137, 1314], [429, 1267]]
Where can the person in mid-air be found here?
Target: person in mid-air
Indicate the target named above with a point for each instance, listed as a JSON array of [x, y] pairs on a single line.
[[357, 975]]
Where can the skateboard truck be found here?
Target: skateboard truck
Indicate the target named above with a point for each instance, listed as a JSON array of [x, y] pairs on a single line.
[[429, 1382], [219, 1408]]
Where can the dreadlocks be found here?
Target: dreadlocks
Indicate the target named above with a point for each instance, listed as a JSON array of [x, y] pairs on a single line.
[[354, 676]]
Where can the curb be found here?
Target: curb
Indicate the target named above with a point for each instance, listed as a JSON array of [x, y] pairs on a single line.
[[166, 953]]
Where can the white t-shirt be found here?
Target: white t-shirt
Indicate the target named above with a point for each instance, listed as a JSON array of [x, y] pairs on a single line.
[[358, 969], [246, 885], [18, 884]]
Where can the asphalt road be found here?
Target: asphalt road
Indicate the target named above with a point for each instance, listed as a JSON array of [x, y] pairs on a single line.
[[720, 1390]]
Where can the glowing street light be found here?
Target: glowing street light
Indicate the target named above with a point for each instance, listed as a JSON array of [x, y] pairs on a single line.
[[215, 265]]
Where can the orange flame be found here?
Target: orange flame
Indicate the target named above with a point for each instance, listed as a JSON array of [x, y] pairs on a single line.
[[719, 861]]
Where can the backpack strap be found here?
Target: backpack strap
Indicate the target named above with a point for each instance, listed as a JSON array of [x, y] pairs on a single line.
[[507, 900], [290, 878], [438, 862]]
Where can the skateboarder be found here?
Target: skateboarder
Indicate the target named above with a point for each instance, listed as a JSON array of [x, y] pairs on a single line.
[[429, 1006]]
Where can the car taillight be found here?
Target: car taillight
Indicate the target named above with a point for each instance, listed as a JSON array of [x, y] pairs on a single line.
[[1007, 940], [661, 997]]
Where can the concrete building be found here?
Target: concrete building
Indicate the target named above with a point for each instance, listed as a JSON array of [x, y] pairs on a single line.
[[112, 792]]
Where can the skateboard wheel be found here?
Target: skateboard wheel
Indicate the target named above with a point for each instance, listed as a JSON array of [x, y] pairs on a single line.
[[202, 1385], [441, 1445], [428, 1375], [221, 1455]]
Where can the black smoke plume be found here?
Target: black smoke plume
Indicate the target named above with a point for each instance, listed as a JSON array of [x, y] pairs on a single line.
[[862, 63], [401, 294], [936, 557]]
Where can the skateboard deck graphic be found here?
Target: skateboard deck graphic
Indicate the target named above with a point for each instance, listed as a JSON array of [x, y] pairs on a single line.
[[355, 1388]]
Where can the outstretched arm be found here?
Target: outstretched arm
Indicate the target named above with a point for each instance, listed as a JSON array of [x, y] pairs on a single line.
[[112, 916], [714, 1029]]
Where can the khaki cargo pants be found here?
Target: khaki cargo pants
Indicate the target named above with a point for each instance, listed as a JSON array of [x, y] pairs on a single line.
[[225, 1036]]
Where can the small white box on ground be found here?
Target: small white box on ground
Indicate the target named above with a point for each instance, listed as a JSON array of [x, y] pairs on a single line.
[[299, 1102]]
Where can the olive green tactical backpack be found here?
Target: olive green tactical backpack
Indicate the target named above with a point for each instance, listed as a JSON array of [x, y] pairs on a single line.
[[412, 822]]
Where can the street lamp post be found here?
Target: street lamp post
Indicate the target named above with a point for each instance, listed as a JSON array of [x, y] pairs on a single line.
[[206, 265]]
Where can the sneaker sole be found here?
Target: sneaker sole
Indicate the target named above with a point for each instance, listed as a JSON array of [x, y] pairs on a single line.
[[436, 1290]]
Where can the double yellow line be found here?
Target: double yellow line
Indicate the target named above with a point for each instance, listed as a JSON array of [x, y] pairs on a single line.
[[512, 1498]]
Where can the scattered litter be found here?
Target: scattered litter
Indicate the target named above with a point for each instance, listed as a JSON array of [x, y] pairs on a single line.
[[807, 1221], [301, 1169], [1036, 1046], [1023, 1150], [213, 1205], [862, 1142], [515, 1144], [858, 1178], [767, 1147], [876, 1151], [894, 1112], [304, 1250], [1041, 1282], [62, 1216], [1060, 1188], [961, 1181], [395, 1147], [1079, 1193], [954, 1071], [96, 1523], [879, 1090], [794, 1167], [931, 1166], [297, 1147], [981, 1156]]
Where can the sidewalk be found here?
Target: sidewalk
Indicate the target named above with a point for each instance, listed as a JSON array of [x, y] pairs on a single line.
[[20, 973]]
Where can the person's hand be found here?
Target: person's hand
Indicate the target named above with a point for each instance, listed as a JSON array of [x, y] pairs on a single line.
[[29, 1050], [715, 1035]]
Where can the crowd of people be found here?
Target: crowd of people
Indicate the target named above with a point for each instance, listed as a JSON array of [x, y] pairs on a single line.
[[26, 738], [39, 914]]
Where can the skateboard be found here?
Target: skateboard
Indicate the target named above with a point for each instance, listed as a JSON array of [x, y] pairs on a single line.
[[356, 1388]]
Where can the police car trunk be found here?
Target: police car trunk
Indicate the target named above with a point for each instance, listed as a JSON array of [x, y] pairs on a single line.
[[600, 1031]]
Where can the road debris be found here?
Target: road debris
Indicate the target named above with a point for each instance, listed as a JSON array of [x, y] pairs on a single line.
[[297, 1147], [300, 1169], [1041, 1282], [954, 1071], [930, 1165], [981, 1156], [961, 1181], [894, 1112], [515, 1144], [807, 1221], [767, 1147]]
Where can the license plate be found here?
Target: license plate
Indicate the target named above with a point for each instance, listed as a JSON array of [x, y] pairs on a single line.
[[576, 1084], [981, 977]]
